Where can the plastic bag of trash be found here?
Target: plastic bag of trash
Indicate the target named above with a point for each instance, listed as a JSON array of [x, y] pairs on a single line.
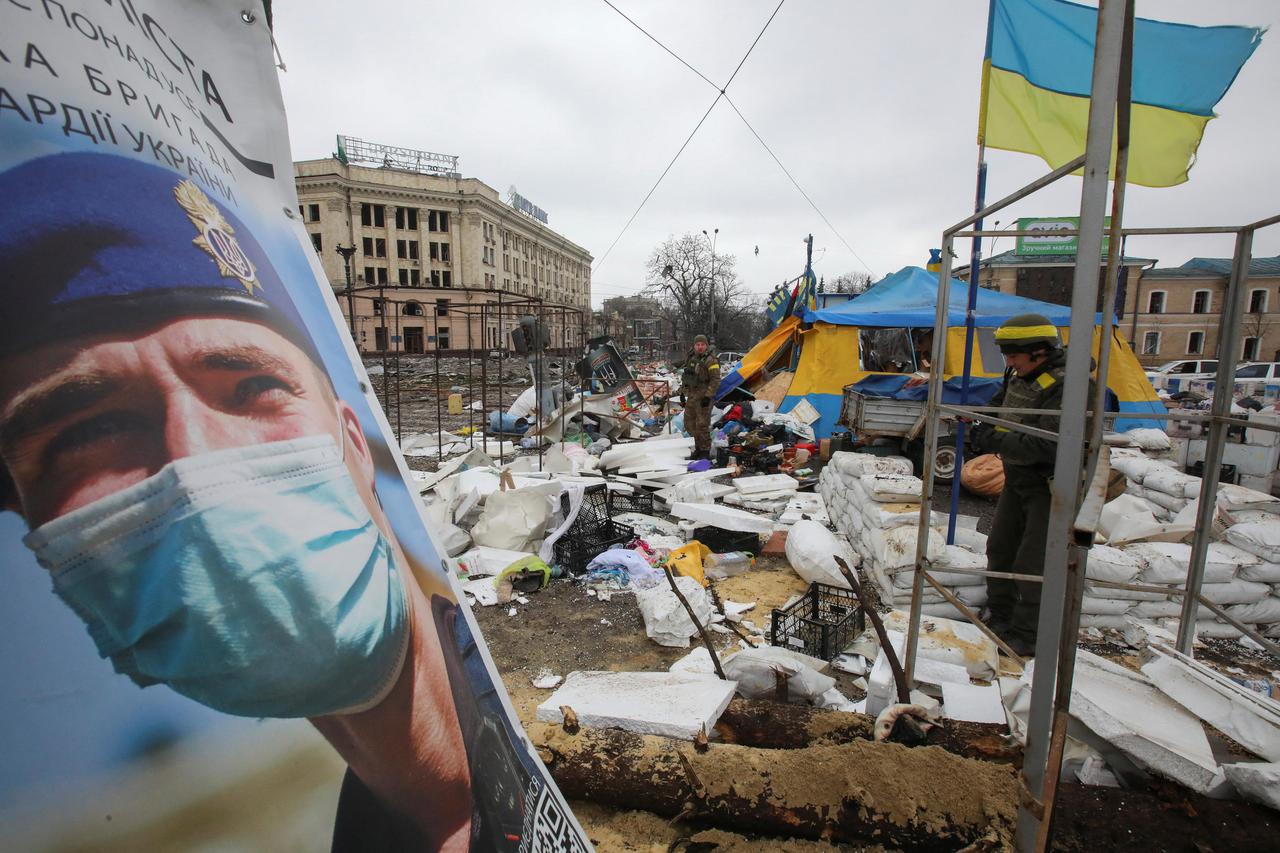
[[666, 622], [516, 520], [811, 549], [756, 671], [687, 560]]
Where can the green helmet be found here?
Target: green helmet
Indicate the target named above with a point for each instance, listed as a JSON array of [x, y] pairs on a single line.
[[701, 339], [1027, 333]]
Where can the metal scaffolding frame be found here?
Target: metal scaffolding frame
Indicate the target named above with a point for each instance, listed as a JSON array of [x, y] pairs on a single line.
[[506, 313], [1081, 467]]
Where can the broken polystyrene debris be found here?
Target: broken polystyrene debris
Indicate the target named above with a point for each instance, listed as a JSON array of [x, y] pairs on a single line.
[[721, 516], [483, 590], [1248, 717], [511, 612], [974, 703], [668, 704], [546, 680], [1259, 783]]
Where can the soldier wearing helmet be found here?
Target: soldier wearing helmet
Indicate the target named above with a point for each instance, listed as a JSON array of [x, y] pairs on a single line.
[[1036, 368], [699, 380]]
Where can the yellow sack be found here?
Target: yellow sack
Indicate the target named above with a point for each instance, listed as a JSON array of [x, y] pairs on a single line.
[[687, 560], [983, 475]]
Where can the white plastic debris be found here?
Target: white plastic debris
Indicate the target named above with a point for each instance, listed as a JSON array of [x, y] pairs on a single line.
[[811, 549], [666, 622]]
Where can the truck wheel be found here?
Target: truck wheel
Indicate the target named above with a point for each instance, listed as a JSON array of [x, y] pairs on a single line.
[[944, 460]]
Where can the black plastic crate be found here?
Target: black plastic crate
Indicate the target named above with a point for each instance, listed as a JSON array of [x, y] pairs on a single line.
[[639, 500], [594, 512], [722, 541], [1227, 473], [574, 550], [821, 624]]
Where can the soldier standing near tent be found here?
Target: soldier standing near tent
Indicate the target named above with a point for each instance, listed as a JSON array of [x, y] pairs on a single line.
[[699, 379], [1034, 380]]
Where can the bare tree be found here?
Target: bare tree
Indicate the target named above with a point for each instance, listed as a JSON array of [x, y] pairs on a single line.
[[685, 278], [850, 282], [1255, 325]]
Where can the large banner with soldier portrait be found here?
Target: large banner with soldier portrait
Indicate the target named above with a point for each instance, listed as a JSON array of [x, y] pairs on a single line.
[[206, 524]]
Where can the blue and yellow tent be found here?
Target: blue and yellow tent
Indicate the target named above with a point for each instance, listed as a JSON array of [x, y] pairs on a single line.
[[823, 350]]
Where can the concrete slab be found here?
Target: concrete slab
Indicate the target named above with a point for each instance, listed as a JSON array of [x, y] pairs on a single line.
[[722, 516], [974, 703], [668, 704], [1248, 717]]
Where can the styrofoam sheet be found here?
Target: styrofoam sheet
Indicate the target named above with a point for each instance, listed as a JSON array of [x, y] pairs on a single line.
[[668, 704], [722, 516]]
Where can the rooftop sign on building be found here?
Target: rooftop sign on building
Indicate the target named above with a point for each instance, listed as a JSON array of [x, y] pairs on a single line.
[[1049, 240], [353, 150], [525, 206]]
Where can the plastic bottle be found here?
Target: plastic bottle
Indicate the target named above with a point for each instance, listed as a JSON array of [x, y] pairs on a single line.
[[728, 564]]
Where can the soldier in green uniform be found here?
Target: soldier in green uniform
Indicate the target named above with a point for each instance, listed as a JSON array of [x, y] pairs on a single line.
[[699, 379], [1034, 380]]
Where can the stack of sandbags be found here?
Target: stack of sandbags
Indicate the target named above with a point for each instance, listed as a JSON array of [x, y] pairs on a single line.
[[1166, 565], [846, 468], [885, 527], [1259, 537], [1169, 486], [1106, 607], [970, 589]]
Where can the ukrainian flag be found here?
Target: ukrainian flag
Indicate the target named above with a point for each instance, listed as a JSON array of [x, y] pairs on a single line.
[[805, 297], [778, 302], [1036, 82]]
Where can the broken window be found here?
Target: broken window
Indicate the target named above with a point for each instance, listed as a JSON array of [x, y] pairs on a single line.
[[442, 307], [407, 218], [412, 309], [315, 241], [366, 246], [402, 251], [380, 248], [446, 278], [444, 252], [373, 215]]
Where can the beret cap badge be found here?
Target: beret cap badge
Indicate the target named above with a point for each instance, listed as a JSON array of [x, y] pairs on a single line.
[[216, 236]]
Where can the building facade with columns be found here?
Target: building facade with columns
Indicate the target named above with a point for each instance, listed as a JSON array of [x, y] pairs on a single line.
[[440, 262]]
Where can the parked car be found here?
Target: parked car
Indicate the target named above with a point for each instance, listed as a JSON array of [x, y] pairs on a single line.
[[729, 361], [1175, 376], [1259, 379]]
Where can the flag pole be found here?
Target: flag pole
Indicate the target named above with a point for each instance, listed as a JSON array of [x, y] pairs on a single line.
[[975, 257]]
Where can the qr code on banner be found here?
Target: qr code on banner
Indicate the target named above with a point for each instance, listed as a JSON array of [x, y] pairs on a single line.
[[548, 828]]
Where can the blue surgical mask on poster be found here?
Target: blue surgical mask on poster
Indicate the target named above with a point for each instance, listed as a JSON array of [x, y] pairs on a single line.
[[252, 580]]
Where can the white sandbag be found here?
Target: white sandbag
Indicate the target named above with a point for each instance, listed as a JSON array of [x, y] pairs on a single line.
[[944, 640], [1165, 609], [1123, 512], [1134, 468], [1104, 621], [1170, 481], [1167, 563], [1264, 612], [1105, 563], [454, 539], [858, 464], [893, 549], [811, 549], [950, 580], [1242, 516], [946, 610], [1262, 572], [1225, 552], [1208, 628], [1149, 439], [1232, 498], [666, 622], [1261, 538], [973, 596], [1104, 606], [1173, 503], [1130, 595], [755, 672], [958, 557], [1235, 591], [967, 537], [515, 520], [886, 516], [892, 488]]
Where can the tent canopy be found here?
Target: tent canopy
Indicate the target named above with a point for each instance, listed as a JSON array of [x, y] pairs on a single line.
[[909, 297]]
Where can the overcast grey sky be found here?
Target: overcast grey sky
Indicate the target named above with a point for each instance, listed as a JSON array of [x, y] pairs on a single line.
[[872, 106]]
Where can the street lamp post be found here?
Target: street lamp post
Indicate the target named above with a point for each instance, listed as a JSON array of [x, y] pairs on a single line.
[[711, 238], [347, 252]]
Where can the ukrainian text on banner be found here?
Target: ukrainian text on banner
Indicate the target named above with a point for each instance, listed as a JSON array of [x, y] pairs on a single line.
[[199, 490], [1037, 78]]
